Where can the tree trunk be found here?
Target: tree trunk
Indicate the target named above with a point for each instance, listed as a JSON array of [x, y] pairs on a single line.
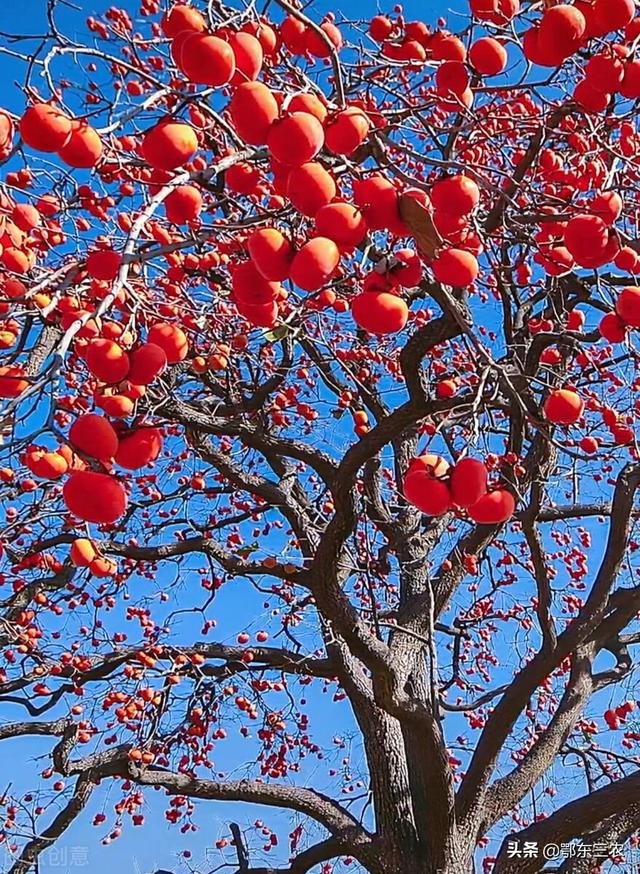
[[415, 862]]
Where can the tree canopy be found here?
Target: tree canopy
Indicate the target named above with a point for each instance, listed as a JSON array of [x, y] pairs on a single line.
[[319, 404]]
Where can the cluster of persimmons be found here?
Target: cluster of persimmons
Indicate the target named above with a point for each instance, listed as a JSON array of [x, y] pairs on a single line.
[[310, 144]]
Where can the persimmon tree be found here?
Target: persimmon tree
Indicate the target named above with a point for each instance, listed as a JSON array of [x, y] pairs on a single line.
[[320, 390]]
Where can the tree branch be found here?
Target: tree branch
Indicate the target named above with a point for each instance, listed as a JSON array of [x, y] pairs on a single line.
[[470, 797], [574, 820], [82, 792]]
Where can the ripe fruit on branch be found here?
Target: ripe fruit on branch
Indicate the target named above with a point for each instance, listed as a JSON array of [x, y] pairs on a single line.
[[407, 50], [586, 236], [562, 27], [628, 306], [495, 11], [446, 388], [94, 497], [425, 487], [147, 362], [468, 482], [613, 14], [169, 144], [456, 195], [206, 59], [453, 103], [171, 339], [94, 436], [183, 204], [608, 206], [455, 267], [488, 56], [452, 77], [346, 130], [219, 357], [551, 356], [263, 315], [430, 495], [103, 567], [12, 382], [589, 98], [310, 187], [379, 312], [253, 109], [251, 288], [605, 72], [293, 34], [627, 260], [25, 216], [84, 148], [180, 18], [380, 28], [265, 33], [630, 87], [622, 435], [248, 55], [295, 139], [545, 54], [612, 328], [343, 223], [612, 719], [45, 128], [305, 101], [48, 465], [589, 445], [107, 360], [242, 178], [104, 264], [319, 47], [83, 551], [434, 465], [17, 260], [563, 407], [494, 508], [447, 47], [7, 134], [139, 448], [378, 199], [116, 406], [271, 253], [314, 264]]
